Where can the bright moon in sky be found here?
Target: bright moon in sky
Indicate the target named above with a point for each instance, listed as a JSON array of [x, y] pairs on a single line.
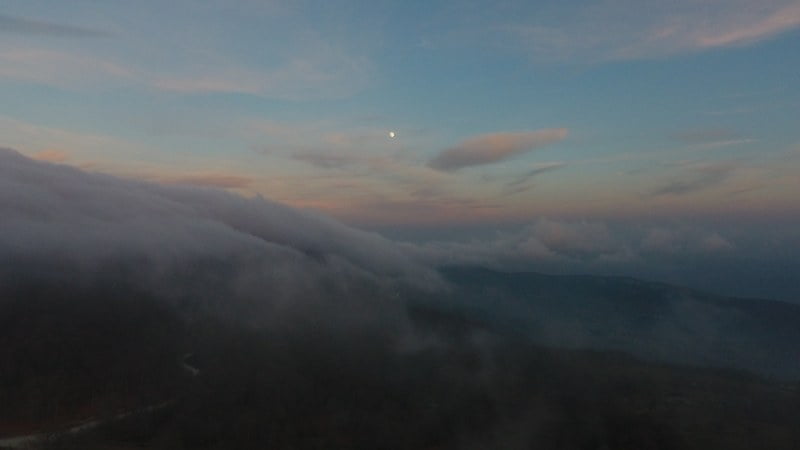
[[392, 134]]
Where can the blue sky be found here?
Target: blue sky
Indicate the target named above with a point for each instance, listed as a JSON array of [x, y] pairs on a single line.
[[599, 110]]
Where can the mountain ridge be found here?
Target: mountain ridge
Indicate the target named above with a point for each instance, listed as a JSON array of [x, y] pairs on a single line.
[[654, 320]]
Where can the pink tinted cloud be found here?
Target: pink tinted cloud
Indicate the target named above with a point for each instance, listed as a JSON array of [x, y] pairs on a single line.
[[778, 21], [323, 71], [29, 27], [58, 68], [495, 147], [218, 180], [51, 155], [644, 29]]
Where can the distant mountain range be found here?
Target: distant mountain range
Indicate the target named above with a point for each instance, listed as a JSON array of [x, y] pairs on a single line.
[[654, 321]]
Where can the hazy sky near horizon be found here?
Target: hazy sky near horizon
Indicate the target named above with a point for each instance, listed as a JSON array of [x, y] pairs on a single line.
[[503, 112]]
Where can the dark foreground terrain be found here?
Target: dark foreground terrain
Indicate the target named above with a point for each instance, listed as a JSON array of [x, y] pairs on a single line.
[[451, 381]]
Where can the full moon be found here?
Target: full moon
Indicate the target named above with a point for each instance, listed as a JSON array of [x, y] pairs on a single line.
[[392, 134]]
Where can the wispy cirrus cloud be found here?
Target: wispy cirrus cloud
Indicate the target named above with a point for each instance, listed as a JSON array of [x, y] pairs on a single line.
[[711, 138], [636, 29], [494, 147], [327, 72], [538, 169], [393, 182], [327, 160], [782, 17], [30, 27], [705, 135], [698, 177], [390, 172], [216, 180], [62, 69]]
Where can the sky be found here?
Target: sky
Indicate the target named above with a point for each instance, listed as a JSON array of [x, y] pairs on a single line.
[[653, 126]]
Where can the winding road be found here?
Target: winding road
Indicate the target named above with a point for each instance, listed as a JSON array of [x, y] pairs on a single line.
[[31, 440]]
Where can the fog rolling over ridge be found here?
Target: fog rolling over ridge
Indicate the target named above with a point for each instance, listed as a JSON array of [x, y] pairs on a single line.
[[249, 258], [204, 251]]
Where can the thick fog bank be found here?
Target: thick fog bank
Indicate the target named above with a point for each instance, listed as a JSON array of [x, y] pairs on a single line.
[[201, 248]]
